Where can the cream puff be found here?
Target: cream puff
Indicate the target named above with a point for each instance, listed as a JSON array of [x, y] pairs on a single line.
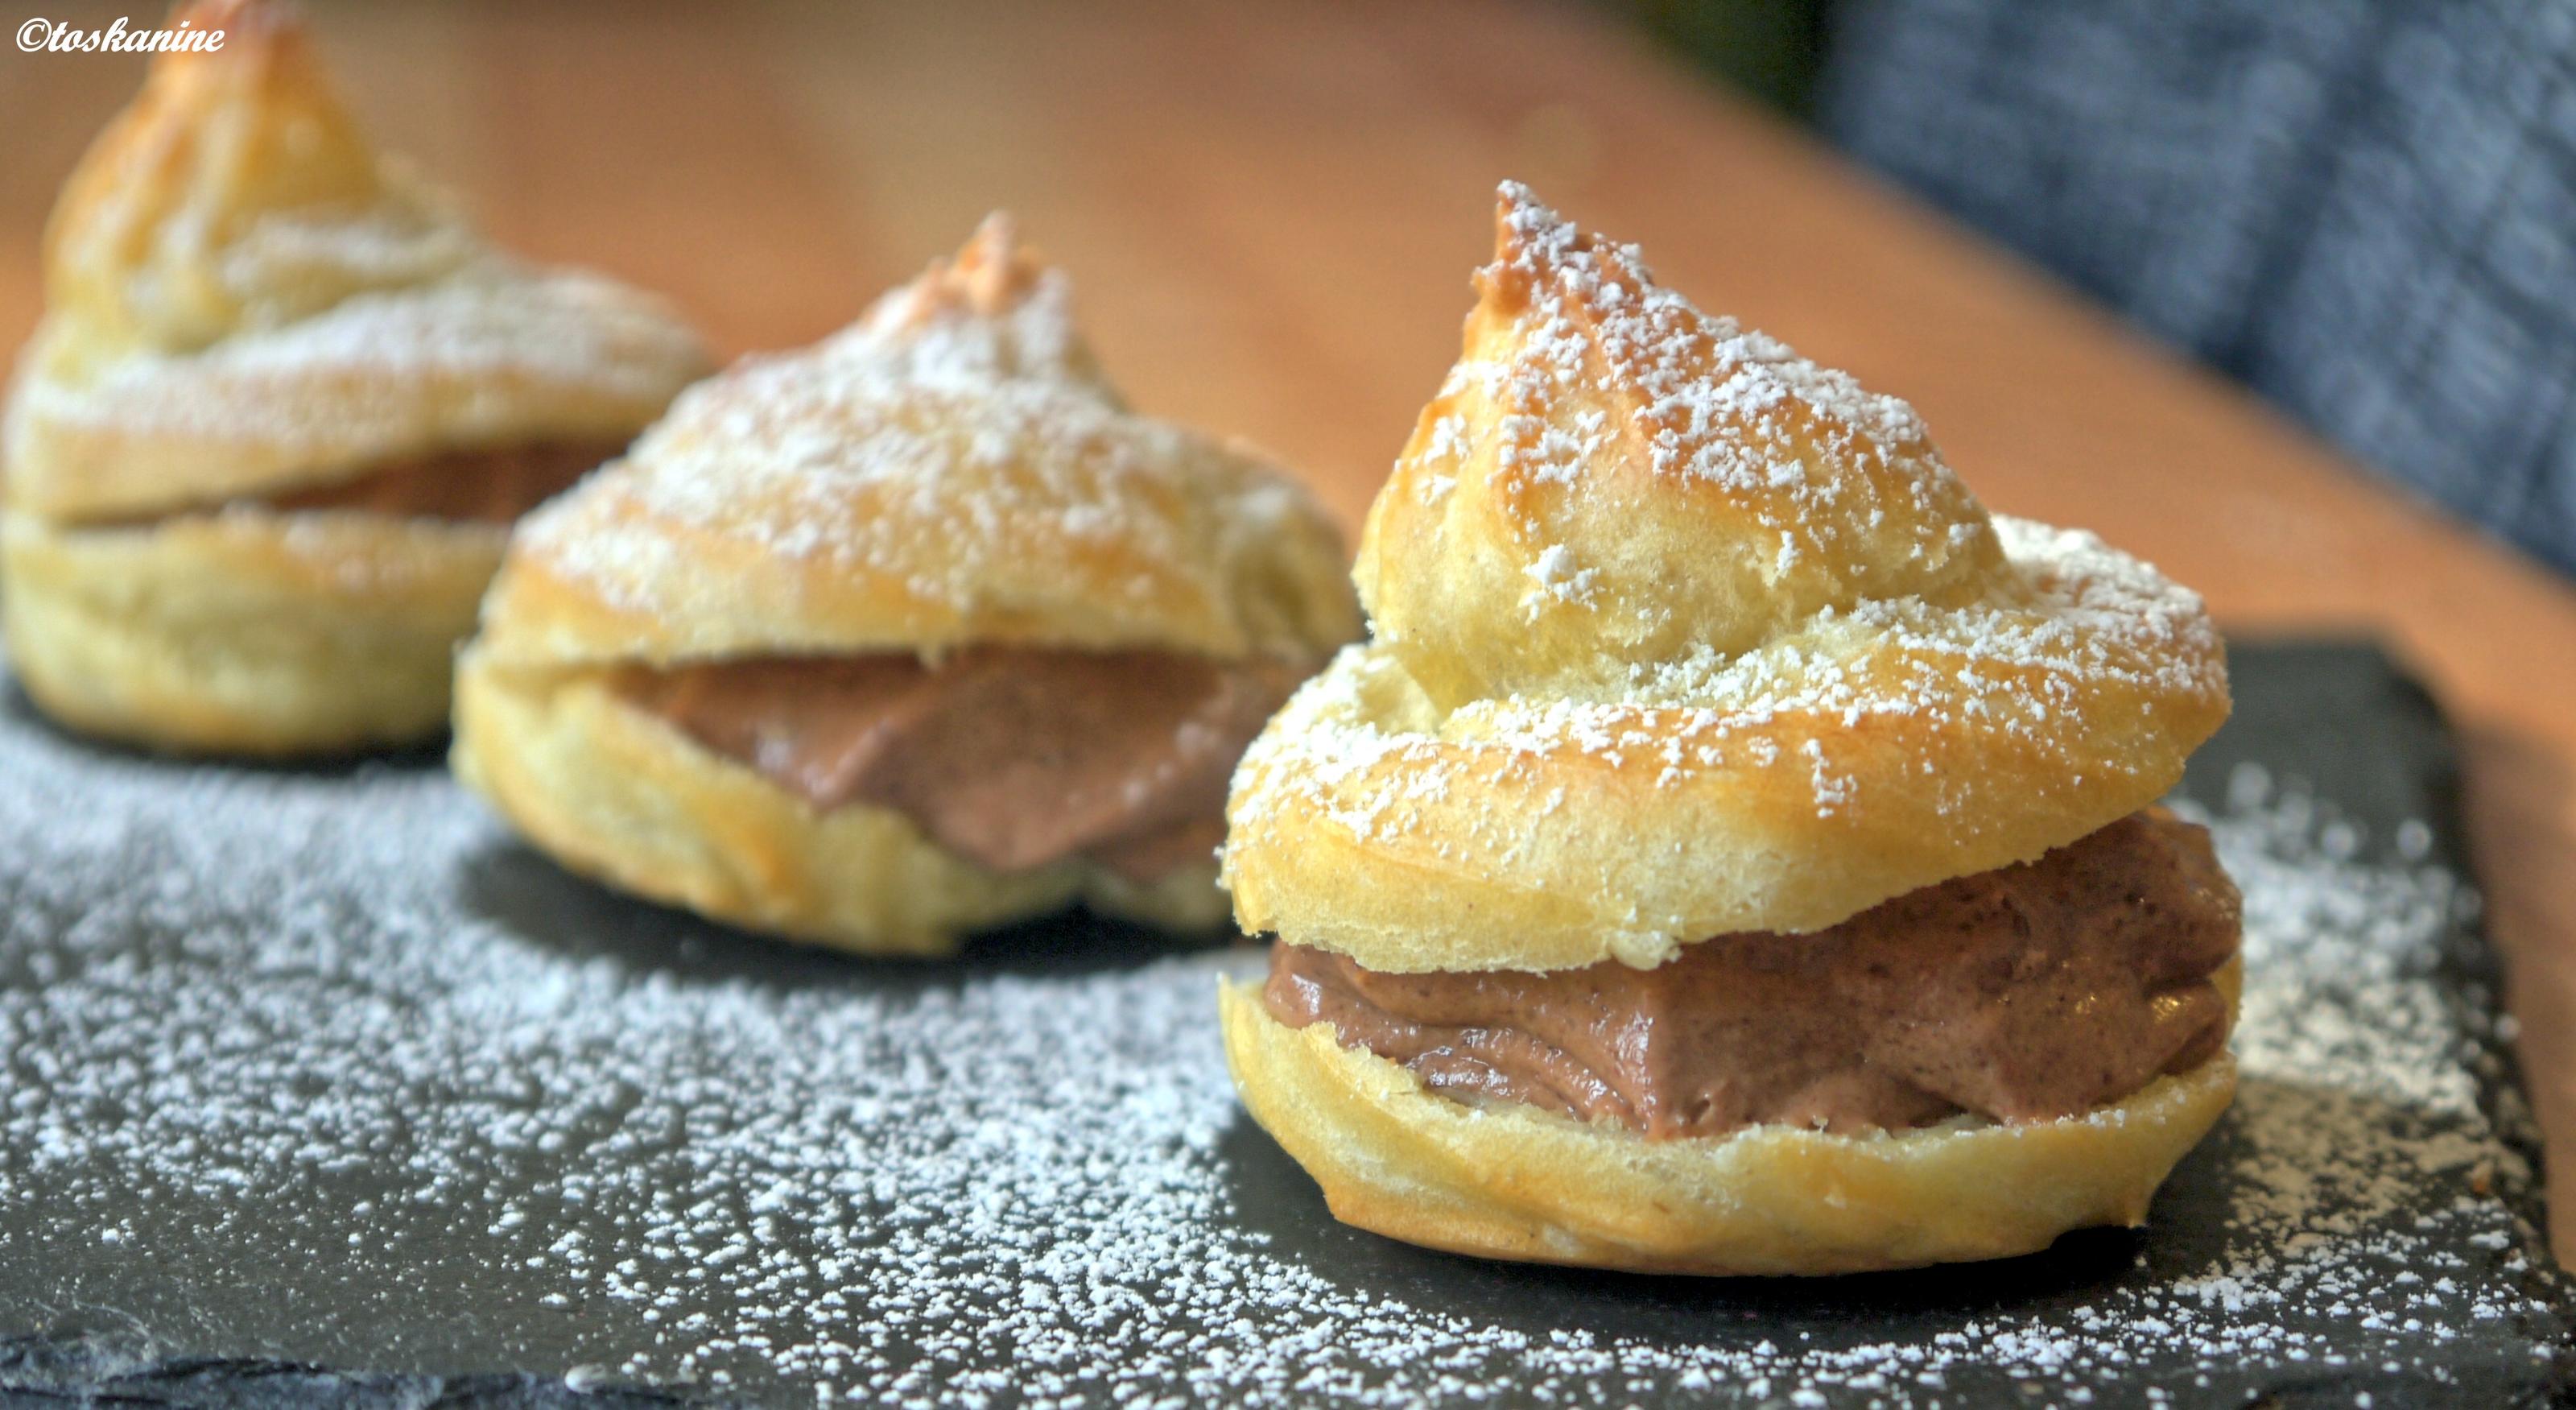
[[264, 448], [904, 635], [1734, 851]]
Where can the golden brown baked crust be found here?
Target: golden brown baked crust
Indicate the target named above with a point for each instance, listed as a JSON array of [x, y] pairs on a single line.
[[951, 470], [948, 470], [1501, 1180], [1676, 635], [243, 298]]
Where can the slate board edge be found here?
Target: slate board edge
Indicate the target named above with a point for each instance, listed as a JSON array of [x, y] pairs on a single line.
[[2472, 971], [2471, 967]]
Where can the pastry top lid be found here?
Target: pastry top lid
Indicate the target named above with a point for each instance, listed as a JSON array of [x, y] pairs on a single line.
[[951, 469], [242, 296], [1677, 634]]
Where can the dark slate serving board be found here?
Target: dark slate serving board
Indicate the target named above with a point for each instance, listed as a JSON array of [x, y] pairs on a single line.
[[319, 1069]]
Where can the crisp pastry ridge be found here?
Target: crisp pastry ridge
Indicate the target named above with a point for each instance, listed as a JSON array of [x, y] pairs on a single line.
[[1677, 634], [246, 302], [951, 471]]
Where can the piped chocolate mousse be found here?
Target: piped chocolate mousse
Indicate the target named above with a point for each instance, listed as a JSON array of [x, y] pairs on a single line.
[[2024, 994], [487, 485], [1013, 757]]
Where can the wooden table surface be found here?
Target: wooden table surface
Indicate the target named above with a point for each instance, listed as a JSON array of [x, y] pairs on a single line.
[[1271, 212]]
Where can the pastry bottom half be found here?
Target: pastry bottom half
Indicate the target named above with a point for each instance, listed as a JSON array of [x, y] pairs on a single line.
[[628, 799], [1498, 1179], [245, 631]]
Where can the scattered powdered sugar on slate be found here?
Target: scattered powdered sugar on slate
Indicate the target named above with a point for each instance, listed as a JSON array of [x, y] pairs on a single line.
[[327, 1067]]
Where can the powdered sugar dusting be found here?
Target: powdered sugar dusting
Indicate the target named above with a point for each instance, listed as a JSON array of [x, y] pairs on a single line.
[[496, 349], [342, 1030], [1603, 361], [1652, 339], [994, 313], [2027, 663], [956, 448], [1726, 560], [961, 494]]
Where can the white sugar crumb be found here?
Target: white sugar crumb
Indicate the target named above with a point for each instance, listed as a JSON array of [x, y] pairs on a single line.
[[1557, 577], [238, 992]]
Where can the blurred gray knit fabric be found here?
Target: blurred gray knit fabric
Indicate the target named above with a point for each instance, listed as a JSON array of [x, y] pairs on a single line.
[[2366, 209]]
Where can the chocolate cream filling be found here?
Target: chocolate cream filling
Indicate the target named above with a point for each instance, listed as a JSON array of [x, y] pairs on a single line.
[[1012, 757], [2025, 994], [491, 485]]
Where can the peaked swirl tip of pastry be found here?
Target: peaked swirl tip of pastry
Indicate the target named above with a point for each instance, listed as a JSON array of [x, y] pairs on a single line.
[[1609, 478], [996, 309], [237, 190]]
